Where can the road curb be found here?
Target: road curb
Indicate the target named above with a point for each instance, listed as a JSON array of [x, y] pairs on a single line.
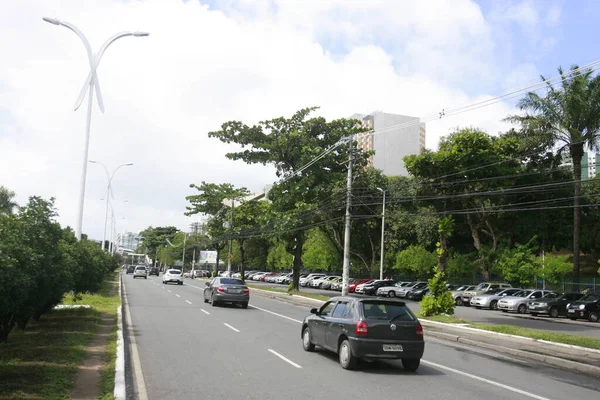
[[286, 296], [120, 391]]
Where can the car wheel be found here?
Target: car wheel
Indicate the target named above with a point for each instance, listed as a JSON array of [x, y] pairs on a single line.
[[145, 277], [245, 305], [411, 364], [494, 305], [205, 299], [347, 360], [522, 309], [593, 317], [459, 301], [391, 293], [554, 312], [181, 283], [306, 343], [213, 302]]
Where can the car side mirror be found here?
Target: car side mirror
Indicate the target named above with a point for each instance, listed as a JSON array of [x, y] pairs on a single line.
[[207, 283], [314, 311]]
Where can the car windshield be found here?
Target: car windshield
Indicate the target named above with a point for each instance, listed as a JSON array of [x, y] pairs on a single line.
[[481, 286], [494, 291], [174, 272], [230, 281], [591, 297], [553, 295], [420, 285], [386, 311], [522, 293], [140, 268]]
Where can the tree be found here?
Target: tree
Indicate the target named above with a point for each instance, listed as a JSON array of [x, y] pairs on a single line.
[[289, 144], [210, 201], [155, 238], [320, 254], [250, 215], [7, 203], [517, 265], [416, 261], [568, 115]]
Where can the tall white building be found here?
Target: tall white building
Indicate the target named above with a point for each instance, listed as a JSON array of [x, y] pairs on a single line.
[[392, 137]]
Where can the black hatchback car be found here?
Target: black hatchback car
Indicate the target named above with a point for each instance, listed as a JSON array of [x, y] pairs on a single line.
[[586, 307], [130, 269], [371, 288], [369, 329], [153, 271], [553, 304]]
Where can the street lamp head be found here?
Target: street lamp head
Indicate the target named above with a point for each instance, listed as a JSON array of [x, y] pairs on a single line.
[[92, 161], [380, 189], [140, 34], [129, 165], [53, 21]]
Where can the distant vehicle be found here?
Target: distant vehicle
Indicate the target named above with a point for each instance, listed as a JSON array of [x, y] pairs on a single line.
[[353, 285], [518, 301], [403, 291], [360, 328], [140, 272], [153, 271], [370, 289], [490, 298], [226, 290], [553, 304], [458, 292], [307, 279], [130, 269], [172, 275], [586, 307], [482, 288], [392, 290]]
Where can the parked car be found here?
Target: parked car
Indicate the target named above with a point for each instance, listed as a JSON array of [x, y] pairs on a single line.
[[392, 290], [482, 288], [353, 285], [172, 275], [518, 301], [305, 281], [281, 278], [360, 328], [140, 272], [553, 304], [154, 271], [257, 276], [457, 294], [417, 294], [371, 288], [403, 291], [226, 290], [490, 299], [187, 274], [318, 283], [130, 269], [586, 307], [327, 284]]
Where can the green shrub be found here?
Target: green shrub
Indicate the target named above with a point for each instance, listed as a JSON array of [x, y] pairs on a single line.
[[439, 299]]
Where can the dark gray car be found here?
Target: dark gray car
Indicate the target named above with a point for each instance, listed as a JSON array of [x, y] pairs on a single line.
[[359, 328], [226, 290]]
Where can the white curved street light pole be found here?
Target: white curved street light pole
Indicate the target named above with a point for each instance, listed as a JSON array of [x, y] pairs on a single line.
[[382, 236], [108, 192], [91, 83]]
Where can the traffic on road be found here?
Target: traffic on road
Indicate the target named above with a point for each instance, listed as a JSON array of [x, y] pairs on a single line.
[[188, 350]]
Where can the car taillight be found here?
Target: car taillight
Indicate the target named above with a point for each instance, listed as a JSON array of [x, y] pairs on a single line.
[[419, 330], [220, 289], [246, 290], [362, 328]]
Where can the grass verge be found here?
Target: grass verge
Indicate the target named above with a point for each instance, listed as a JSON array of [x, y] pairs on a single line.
[[448, 319], [41, 362], [576, 340]]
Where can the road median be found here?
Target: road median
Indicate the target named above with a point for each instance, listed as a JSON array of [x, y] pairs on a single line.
[[585, 360]]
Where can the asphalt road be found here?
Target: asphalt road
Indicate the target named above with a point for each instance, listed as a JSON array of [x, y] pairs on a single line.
[[562, 325], [190, 350]]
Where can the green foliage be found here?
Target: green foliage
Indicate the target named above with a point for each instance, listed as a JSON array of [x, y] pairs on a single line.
[[320, 254], [517, 265], [460, 267], [416, 261], [553, 268], [40, 262], [278, 257], [7, 203], [439, 300]]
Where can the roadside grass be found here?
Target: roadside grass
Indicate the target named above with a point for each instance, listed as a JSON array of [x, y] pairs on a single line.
[[41, 361], [448, 319], [576, 340]]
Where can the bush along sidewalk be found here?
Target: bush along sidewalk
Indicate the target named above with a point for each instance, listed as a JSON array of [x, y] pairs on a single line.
[[43, 360]]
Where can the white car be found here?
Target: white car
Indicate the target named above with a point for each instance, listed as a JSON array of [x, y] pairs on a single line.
[[518, 301], [281, 278], [403, 291], [256, 277], [309, 278], [317, 283], [172, 275]]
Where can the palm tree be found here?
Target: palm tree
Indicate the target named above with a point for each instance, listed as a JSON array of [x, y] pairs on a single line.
[[7, 203], [568, 115]]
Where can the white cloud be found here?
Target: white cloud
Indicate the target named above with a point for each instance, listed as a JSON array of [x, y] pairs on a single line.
[[553, 16], [201, 67]]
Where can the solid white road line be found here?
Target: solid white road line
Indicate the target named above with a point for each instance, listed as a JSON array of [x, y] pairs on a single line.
[[177, 295], [138, 374], [484, 380], [169, 291], [230, 327], [287, 360], [197, 287], [189, 302], [204, 311], [277, 314]]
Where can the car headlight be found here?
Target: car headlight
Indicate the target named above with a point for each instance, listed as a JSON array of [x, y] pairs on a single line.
[[568, 305], [582, 306], [543, 304]]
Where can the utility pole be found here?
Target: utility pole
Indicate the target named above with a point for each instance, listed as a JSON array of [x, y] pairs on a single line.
[[346, 267], [230, 237], [183, 257], [382, 236]]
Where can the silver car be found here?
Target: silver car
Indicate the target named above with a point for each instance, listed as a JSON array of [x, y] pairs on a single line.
[[457, 294], [140, 272], [518, 302], [490, 299]]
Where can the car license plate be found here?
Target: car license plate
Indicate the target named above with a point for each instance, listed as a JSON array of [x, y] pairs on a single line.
[[392, 347], [571, 311], [235, 290], [532, 307]]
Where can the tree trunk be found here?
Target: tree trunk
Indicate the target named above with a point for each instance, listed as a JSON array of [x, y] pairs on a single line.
[[242, 268], [7, 323], [576, 155], [443, 257], [477, 244], [297, 266]]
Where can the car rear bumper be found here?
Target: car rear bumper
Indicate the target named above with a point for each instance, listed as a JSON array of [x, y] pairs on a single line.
[[373, 349], [173, 280], [232, 297]]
